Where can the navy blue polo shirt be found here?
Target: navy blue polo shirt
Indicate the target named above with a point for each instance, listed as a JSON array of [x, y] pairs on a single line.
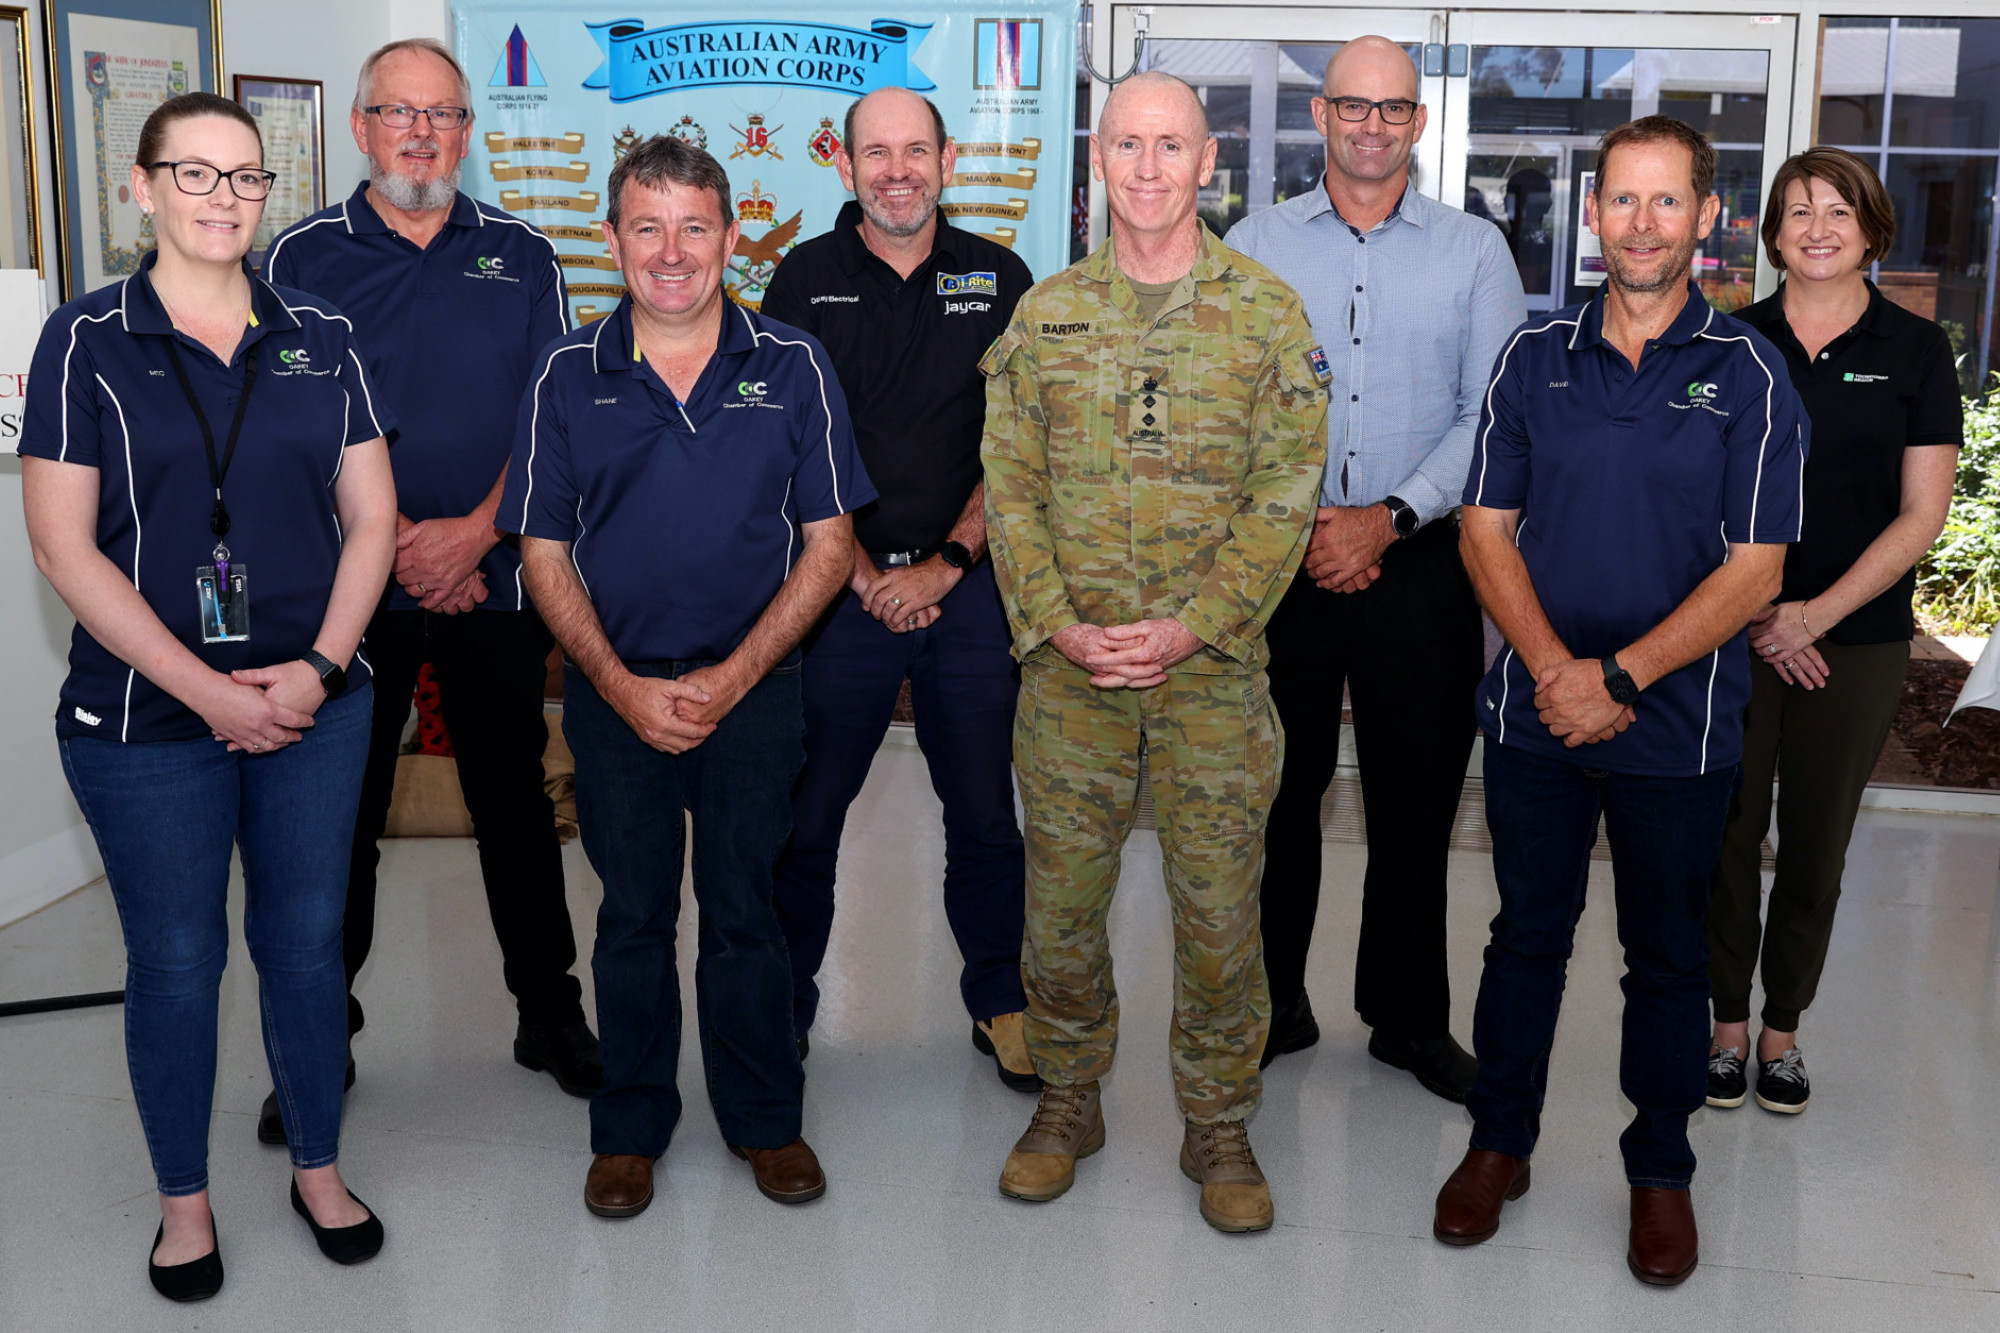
[[451, 331], [1631, 486], [683, 517], [102, 393]]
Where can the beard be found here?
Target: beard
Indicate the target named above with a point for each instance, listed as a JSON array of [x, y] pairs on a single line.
[[412, 196], [884, 221], [1672, 273]]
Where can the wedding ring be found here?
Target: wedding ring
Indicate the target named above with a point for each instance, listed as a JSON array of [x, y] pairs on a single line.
[[421, 590], [895, 601]]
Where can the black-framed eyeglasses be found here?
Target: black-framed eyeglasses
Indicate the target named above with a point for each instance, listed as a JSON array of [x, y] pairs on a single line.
[[250, 184], [1395, 110], [399, 116]]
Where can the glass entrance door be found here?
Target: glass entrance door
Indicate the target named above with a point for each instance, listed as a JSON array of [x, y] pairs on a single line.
[[1521, 131]]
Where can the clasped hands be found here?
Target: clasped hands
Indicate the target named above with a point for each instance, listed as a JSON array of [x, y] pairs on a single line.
[[905, 597], [1345, 552], [437, 561], [676, 714], [1576, 707], [1780, 638], [1133, 657]]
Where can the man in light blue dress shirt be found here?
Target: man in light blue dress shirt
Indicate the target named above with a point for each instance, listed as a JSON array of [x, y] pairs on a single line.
[[1412, 300]]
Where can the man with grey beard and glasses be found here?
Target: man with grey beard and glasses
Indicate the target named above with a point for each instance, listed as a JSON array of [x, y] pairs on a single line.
[[906, 304], [451, 300]]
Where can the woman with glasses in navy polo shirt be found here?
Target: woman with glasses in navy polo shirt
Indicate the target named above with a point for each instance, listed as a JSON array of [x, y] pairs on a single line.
[[1881, 388], [208, 490]]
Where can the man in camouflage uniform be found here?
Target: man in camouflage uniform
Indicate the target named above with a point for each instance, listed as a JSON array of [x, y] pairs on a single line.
[[1154, 440]]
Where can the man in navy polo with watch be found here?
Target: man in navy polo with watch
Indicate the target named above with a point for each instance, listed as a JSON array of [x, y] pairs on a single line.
[[906, 303], [682, 481], [451, 301], [1636, 479]]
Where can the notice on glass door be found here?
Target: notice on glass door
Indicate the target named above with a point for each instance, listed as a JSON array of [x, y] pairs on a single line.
[[1589, 251]]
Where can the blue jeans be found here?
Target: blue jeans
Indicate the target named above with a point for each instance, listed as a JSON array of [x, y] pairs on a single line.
[[166, 815], [1665, 834], [631, 803], [963, 683]]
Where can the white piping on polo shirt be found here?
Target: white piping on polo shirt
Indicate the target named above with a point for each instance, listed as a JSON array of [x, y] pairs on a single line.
[[581, 533], [1480, 495], [791, 533], [825, 408], [1708, 723], [1770, 387], [63, 455], [562, 305], [1504, 685], [271, 259], [535, 417], [138, 538]]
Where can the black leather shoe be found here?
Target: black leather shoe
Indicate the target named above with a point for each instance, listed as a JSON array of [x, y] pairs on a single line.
[[568, 1051], [343, 1245], [195, 1280], [805, 1047], [1440, 1063], [271, 1125], [1293, 1028]]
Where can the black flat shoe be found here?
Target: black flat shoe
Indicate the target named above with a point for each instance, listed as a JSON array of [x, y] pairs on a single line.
[[1293, 1028], [195, 1280], [271, 1125], [1440, 1063], [343, 1245]]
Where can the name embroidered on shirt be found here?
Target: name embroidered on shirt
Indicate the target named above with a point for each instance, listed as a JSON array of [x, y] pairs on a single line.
[[1068, 329], [1558, 384], [965, 307], [818, 300], [602, 402]]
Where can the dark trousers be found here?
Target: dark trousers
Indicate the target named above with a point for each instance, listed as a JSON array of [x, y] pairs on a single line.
[[490, 668], [963, 682], [1409, 649], [1821, 745], [1665, 835], [631, 804]]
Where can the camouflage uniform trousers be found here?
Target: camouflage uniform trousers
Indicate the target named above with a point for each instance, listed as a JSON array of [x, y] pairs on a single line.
[[1214, 751]]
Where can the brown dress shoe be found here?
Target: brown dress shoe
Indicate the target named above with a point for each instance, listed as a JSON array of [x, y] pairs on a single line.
[[789, 1174], [1468, 1207], [619, 1184], [1664, 1248]]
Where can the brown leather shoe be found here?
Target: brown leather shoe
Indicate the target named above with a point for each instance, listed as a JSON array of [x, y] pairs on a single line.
[[619, 1184], [790, 1174], [1665, 1247], [1468, 1207]]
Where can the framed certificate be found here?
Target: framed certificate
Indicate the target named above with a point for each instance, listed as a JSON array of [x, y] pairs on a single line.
[[291, 115], [20, 193], [110, 63]]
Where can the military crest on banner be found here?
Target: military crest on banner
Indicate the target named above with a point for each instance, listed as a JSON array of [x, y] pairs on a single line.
[[756, 206], [622, 143], [689, 133], [825, 143], [755, 139]]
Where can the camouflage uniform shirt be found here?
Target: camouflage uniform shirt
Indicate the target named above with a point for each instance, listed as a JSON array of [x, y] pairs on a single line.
[[1148, 470]]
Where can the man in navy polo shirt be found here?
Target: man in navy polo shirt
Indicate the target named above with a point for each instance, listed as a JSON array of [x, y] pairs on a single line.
[[682, 481], [451, 300], [1636, 479], [908, 304]]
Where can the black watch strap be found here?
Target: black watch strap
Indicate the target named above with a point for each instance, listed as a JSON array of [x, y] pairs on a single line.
[[1618, 683], [956, 554], [331, 678], [1403, 518]]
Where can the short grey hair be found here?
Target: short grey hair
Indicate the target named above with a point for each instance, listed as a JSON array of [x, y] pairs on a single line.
[[364, 86], [662, 158]]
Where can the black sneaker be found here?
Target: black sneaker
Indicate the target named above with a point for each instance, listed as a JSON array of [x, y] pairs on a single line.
[[1782, 1085], [568, 1051], [1727, 1086]]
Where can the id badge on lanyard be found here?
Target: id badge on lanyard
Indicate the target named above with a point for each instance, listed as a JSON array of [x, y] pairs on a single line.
[[222, 585]]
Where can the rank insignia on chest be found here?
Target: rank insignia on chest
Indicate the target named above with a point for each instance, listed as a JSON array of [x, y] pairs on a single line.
[[1322, 368]]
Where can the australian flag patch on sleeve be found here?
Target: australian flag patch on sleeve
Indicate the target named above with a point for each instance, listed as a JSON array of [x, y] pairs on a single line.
[[1321, 366]]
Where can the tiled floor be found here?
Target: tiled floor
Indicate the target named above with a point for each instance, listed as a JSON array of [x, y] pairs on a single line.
[[1878, 1209]]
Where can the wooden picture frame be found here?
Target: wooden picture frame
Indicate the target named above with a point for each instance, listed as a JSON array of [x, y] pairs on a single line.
[[109, 62], [291, 115], [20, 183]]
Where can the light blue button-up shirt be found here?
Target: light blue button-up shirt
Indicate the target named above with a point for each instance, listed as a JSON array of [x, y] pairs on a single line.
[[1412, 315]]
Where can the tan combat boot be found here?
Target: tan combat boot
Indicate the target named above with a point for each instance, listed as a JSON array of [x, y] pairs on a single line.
[[1001, 1038], [1234, 1195], [1068, 1124]]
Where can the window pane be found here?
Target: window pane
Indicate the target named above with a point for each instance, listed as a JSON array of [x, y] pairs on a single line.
[[1937, 264], [1854, 60], [1947, 86]]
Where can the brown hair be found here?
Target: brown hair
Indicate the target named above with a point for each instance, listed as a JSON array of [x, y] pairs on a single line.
[[188, 106], [1661, 129], [364, 86], [1852, 179], [660, 159]]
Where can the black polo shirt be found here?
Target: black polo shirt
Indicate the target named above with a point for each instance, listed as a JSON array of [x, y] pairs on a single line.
[[1886, 385], [907, 352]]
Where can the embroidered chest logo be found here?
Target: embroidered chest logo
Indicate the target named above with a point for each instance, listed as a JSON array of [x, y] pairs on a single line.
[[1851, 378], [296, 361], [491, 267], [1700, 394], [754, 393]]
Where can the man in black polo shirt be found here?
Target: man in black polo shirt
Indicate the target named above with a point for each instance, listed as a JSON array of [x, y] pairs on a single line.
[[906, 304]]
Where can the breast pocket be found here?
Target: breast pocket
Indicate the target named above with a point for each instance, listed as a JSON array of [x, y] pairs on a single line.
[[1079, 379], [1219, 386]]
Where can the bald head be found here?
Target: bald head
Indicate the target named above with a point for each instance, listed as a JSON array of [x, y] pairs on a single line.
[[1374, 63], [1153, 95]]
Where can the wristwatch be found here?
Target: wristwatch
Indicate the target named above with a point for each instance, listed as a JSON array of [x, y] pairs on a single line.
[[1403, 518], [1618, 683], [331, 678], [956, 554]]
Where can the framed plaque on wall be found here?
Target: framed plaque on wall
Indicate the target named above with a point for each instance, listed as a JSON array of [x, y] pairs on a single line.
[[291, 116]]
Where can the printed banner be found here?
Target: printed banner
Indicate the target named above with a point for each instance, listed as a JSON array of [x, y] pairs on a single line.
[[570, 90]]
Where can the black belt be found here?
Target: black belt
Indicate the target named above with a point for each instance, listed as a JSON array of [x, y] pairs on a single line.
[[895, 558]]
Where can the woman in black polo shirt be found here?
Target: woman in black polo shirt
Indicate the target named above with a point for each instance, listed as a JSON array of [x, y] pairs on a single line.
[[1881, 388], [208, 490]]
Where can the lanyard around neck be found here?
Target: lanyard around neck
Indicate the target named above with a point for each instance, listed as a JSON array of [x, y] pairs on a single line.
[[218, 521]]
